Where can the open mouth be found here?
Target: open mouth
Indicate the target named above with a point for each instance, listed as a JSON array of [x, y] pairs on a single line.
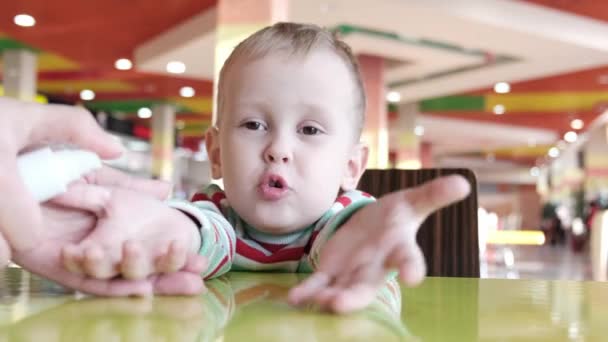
[[273, 187], [275, 181]]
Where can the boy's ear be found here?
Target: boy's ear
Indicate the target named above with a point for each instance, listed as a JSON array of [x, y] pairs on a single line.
[[212, 143], [356, 167]]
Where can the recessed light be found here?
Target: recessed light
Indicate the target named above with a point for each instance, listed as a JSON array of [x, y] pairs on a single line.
[[123, 64], [502, 87], [570, 136], [419, 130], [87, 95], [535, 171], [144, 113], [176, 67], [187, 92], [553, 152], [499, 109], [393, 97], [577, 124], [24, 20]]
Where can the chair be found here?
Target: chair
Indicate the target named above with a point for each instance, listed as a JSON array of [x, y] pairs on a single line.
[[448, 238]]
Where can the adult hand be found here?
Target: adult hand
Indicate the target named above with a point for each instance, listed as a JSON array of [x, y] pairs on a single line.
[[24, 125], [379, 237], [70, 218]]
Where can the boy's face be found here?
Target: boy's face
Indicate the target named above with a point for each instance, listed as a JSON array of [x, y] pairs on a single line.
[[287, 140]]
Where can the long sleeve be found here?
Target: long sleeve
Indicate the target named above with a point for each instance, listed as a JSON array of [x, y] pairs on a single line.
[[344, 207], [218, 240]]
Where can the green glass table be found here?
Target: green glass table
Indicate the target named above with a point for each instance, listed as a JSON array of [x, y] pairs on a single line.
[[252, 307]]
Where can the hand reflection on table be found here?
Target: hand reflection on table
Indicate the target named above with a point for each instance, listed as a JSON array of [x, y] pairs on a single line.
[[239, 306]]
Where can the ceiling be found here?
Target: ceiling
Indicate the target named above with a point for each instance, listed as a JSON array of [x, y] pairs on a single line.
[[444, 55]]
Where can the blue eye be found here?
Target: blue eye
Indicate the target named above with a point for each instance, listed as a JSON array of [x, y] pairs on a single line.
[[310, 130]]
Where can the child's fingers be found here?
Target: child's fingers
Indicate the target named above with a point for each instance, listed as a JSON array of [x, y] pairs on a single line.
[[436, 194], [195, 263], [352, 299], [97, 263], [308, 288], [72, 258], [135, 264], [175, 259], [412, 266]]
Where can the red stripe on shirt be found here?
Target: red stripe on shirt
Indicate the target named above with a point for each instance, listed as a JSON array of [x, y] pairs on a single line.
[[199, 197], [287, 254], [219, 266]]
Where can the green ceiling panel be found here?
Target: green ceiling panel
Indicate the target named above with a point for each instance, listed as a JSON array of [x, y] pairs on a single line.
[[453, 103], [7, 43], [130, 106]]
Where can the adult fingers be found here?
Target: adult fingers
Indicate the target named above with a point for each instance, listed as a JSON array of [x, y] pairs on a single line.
[[73, 125], [5, 252], [178, 283], [88, 197], [109, 177], [20, 216]]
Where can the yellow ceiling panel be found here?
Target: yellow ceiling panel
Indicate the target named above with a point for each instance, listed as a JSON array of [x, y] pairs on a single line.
[[547, 102], [53, 62], [60, 86], [197, 105]]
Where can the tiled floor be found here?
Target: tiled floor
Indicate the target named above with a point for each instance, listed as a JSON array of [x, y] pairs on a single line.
[[535, 262]]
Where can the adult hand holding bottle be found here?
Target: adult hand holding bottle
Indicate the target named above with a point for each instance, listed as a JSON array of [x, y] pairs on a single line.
[[36, 233]]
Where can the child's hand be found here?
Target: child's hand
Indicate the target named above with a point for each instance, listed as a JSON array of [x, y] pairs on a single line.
[[136, 236], [378, 238]]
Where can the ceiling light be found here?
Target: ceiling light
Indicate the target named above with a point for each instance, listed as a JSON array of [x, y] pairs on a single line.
[[176, 67], [144, 113], [419, 130], [186, 92], [553, 152], [499, 109], [570, 136], [24, 20], [393, 97], [502, 87], [123, 64], [535, 171], [577, 124], [87, 95]]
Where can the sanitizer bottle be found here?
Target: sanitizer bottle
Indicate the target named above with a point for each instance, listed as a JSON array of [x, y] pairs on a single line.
[[47, 173]]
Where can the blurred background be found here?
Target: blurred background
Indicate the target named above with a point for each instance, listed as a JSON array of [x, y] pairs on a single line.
[[515, 90]]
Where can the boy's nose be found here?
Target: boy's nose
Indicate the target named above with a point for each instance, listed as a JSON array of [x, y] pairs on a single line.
[[276, 157], [277, 153]]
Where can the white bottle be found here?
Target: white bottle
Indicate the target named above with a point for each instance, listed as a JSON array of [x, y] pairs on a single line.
[[47, 173]]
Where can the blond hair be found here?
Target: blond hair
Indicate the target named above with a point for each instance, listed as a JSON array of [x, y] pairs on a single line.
[[295, 40]]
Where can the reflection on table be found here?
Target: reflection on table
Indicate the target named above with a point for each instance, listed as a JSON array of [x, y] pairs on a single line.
[[252, 307]]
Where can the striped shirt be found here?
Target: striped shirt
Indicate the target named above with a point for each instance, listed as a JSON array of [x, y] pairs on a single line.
[[229, 243]]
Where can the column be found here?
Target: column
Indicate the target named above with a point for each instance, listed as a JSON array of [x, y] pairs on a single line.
[[163, 141], [20, 67], [375, 132], [407, 143], [237, 20]]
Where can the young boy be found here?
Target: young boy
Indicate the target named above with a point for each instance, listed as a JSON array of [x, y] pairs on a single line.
[[286, 143]]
